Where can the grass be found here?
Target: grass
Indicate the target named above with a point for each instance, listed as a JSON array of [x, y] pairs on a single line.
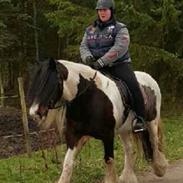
[[89, 165], [173, 129]]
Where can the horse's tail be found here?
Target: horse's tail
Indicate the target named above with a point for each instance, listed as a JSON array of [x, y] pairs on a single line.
[[143, 141], [146, 145]]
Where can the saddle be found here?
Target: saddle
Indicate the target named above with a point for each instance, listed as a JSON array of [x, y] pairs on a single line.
[[128, 101], [125, 92]]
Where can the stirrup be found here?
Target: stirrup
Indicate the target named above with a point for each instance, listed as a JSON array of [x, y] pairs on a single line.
[[138, 125]]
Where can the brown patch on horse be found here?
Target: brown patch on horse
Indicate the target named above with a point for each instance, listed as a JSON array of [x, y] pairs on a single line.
[[62, 71], [90, 113], [149, 102]]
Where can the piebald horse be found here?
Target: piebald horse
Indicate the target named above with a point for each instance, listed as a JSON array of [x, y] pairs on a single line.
[[95, 108]]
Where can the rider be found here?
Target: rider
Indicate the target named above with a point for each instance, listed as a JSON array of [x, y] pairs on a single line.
[[105, 47]]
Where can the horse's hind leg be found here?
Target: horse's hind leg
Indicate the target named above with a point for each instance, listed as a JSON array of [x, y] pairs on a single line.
[[110, 174], [128, 174], [69, 160], [159, 163]]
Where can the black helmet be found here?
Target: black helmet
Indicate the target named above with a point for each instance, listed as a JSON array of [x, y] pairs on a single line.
[[102, 4]]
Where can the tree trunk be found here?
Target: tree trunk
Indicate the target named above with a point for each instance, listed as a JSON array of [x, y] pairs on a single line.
[[1, 88], [36, 39]]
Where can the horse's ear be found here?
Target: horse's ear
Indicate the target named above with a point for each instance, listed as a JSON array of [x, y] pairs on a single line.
[[52, 63]]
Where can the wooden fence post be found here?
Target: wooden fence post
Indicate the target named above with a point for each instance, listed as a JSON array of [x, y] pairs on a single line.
[[1, 90], [24, 116]]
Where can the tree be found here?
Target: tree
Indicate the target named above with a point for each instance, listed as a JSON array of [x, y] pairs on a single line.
[[6, 38], [155, 23], [70, 22]]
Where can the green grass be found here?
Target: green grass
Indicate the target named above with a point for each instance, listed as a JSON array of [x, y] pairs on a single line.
[[173, 129], [89, 165]]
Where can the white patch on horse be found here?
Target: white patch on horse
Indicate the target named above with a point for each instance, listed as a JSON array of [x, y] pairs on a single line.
[[102, 82], [68, 166], [71, 84], [146, 80], [111, 90]]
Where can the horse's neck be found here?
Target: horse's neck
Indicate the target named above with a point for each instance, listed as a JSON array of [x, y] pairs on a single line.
[[106, 85], [70, 88]]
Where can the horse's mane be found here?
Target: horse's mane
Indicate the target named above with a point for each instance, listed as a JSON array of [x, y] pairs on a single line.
[[87, 72], [45, 83], [78, 67]]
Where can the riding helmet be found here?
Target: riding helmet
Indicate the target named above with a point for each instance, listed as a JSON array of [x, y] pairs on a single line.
[[103, 4]]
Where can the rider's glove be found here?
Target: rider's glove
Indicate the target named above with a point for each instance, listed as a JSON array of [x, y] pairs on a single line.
[[90, 60], [98, 64]]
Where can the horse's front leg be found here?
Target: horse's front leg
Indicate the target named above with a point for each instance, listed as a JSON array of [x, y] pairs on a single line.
[[110, 174], [69, 160]]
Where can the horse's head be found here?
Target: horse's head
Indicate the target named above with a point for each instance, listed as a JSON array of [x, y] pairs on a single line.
[[46, 88]]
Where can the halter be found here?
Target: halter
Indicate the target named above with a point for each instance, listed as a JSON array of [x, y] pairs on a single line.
[[62, 102]]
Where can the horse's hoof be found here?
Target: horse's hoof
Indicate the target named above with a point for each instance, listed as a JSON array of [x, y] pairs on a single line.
[[160, 170], [129, 179], [160, 166]]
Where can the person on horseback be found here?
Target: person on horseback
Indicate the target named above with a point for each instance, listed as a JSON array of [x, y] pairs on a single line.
[[105, 47]]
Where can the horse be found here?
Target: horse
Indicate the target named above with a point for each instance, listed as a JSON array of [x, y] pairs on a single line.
[[95, 108]]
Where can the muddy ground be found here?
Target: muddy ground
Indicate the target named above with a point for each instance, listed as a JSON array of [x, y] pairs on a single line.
[[11, 134], [173, 174]]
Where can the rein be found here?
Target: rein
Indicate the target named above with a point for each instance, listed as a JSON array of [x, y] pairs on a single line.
[[86, 88], [63, 102]]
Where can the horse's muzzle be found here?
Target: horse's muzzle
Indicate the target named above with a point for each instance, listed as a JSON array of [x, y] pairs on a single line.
[[37, 112]]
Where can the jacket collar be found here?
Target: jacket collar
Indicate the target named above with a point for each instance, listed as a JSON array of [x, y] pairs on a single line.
[[102, 25]]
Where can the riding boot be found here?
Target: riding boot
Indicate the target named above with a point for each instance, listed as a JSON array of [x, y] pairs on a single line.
[[138, 125]]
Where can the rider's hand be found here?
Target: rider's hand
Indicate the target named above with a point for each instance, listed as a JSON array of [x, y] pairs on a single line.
[[98, 64], [90, 60]]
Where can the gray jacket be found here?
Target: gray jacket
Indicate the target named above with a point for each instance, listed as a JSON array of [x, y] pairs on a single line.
[[109, 44]]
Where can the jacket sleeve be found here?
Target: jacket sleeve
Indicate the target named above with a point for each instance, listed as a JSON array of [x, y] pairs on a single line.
[[84, 50], [119, 48]]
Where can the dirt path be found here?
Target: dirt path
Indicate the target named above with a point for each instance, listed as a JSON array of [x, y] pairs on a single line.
[[174, 174]]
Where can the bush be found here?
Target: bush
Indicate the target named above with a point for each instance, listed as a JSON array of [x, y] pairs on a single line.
[[166, 68]]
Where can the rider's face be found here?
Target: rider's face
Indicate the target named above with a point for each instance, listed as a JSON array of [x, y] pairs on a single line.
[[104, 14]]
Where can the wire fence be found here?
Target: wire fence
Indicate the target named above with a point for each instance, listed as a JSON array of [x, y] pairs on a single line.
[[29, 139], [24, 140]]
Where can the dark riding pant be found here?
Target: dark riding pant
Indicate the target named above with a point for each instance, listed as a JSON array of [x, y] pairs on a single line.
[[124, 72]]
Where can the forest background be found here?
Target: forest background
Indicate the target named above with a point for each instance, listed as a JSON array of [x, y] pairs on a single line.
[[32, 30]]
